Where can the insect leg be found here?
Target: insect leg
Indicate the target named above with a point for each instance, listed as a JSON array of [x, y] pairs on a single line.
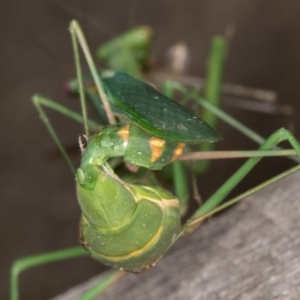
[[25, 263], [276, 138], [178, 172], [40, 101], [109, 279], [212, 93], [194, 95]]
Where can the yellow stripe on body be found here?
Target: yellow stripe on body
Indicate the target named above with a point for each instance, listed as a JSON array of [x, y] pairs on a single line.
[[124, 133], [163, 204], [137, 252], [157, 147], [178, 151]]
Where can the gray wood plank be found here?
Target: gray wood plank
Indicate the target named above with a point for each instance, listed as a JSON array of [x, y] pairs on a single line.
[[251, 251]]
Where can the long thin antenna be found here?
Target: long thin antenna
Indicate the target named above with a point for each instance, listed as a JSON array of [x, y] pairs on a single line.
[[80, 81], [76, 32]]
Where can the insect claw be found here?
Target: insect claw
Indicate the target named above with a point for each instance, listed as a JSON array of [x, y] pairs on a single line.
[[111, 174], [82, 139]]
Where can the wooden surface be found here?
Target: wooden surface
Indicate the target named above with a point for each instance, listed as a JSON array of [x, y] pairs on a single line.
[[252, 251]]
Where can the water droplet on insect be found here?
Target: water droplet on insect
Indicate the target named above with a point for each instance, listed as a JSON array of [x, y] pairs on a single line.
[[144, 225]]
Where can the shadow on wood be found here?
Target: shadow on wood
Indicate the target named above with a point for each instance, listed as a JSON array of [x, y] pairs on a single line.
[[249, 252]]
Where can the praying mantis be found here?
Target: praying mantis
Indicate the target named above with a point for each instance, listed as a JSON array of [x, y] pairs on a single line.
[[163, 144]]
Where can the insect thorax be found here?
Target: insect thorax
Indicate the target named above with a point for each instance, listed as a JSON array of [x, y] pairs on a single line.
[[135, 144]]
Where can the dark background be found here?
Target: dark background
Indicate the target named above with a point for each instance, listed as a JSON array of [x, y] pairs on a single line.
[[39, 211]]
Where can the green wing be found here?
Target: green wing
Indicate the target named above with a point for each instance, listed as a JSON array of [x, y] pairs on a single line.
[[154, 112]]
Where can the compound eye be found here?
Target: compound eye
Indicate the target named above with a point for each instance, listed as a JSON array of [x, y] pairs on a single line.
[[80, 176]]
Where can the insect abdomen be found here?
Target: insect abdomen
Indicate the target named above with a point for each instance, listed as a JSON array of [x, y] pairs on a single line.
[[132, 239]]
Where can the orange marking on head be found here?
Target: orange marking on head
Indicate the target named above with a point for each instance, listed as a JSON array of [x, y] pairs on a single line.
[[124, 133], [178, 151], [156, 146]]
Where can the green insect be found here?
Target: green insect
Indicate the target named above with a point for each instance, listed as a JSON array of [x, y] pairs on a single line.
[[123, 213], [126, 225]]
